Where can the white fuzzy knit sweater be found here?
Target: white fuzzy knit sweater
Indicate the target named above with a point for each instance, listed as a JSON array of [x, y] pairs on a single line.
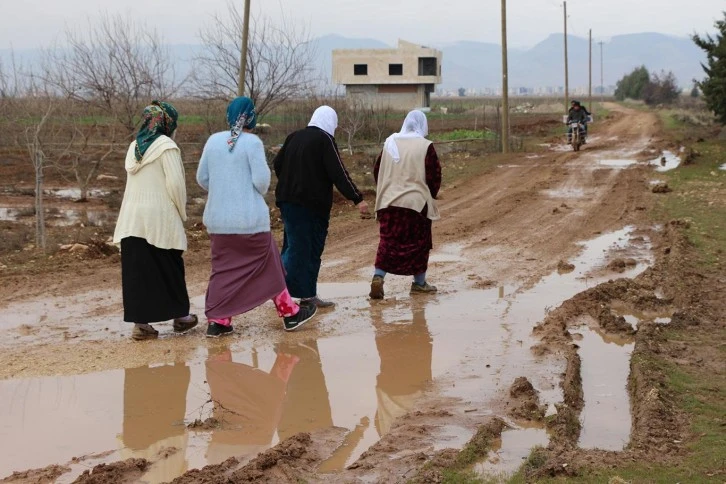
[[154, 204]]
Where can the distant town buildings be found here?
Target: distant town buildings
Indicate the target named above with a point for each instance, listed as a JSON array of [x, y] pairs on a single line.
[[547, 91], [403, 78]]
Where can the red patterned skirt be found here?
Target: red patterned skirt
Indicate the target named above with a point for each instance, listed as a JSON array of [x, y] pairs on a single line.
[[405, 241]]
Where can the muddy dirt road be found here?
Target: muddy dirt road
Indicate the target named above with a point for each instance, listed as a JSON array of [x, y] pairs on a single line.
[[375, 383]]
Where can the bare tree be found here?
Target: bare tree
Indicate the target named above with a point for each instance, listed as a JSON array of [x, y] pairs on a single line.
[[379, 120], [352, 119], [36, 150], [280, 60], [86, 150], [114, 64]]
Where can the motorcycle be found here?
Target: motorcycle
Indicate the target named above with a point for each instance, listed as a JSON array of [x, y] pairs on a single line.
[[576, 135]]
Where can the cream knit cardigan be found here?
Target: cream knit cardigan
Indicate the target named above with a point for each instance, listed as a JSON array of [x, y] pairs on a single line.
[[154, 204]]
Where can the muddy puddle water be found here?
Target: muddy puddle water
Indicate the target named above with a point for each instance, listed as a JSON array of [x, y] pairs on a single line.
[[666, 162], [374, 362], [509, 452], [605, 419]]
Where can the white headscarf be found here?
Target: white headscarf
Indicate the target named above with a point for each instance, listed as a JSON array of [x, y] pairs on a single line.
[[326, 119], [414, 126]]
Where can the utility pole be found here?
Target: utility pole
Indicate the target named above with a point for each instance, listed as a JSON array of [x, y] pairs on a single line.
[[567, 71], [505, 82], [589, 90], [602, 77], [243, 53]]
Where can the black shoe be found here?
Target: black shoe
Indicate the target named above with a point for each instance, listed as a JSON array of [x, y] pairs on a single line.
[[304, 315], [215, 330]]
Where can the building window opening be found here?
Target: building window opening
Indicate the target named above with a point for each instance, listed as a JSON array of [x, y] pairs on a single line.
[[427, 66], [395, 69], [360, 69]]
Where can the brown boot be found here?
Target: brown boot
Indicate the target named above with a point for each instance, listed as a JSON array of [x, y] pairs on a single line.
[[424, 288], [143, 332], [184, 325], [376, 288]]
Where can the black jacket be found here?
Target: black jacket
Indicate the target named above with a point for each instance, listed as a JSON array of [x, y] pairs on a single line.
[[582, 108], [307, 167], [577, 116]]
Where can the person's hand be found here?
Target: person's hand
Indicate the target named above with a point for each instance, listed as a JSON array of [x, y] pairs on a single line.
[[363, 209]]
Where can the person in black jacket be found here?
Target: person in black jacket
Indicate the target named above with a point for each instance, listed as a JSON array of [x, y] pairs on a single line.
[[307, 167]]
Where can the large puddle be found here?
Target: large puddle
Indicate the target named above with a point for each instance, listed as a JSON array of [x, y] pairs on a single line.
[[465, 343]]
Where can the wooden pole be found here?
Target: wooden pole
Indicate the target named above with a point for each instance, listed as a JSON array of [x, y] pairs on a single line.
[[589, 90], [505, 82], [243, 53], [602, 77], [567, 71]]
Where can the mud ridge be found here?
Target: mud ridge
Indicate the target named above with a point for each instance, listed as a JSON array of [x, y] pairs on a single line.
[[451, 459], [126, 471], [45, 475]]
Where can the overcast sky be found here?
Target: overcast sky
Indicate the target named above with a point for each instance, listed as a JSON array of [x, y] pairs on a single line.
[[34, 23]]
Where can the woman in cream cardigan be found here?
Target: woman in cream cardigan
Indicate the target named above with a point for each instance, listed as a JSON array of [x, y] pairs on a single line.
[[150, 228]]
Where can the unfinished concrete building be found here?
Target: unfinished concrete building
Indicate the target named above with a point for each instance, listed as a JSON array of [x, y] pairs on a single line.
[[401, 78]]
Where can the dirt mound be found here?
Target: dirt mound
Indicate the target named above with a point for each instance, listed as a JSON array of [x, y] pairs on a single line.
[[564, 267], [620, 265], [612, 323], [287, 462], [209, 474], [524, 403], [661, 188], [37, 476], [209, 424], [683, 319], [127, 471]]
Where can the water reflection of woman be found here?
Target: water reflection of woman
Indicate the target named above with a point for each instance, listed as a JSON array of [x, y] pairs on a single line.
[[405, 350], [247, 402], [307, 404], [154, 409]]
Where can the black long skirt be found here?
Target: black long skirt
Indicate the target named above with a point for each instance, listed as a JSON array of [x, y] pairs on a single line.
[[154, 288]]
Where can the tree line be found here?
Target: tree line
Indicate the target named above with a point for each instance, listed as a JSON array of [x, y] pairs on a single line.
[[655, 89]]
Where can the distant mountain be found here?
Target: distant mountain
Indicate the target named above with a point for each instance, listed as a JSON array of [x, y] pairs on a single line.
[[477, 65]]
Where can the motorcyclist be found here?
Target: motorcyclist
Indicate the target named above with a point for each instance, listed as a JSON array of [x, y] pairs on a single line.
[[578, 103], [583, 108], [576, 115]]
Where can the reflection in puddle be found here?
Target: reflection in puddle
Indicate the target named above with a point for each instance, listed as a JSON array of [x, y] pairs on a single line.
[[666, 162], [8, 214], [448, 253], [634, 317], [617, 163], [565, 193], [60, 217], [605, 419], [467, 345], [75, 193], [509, 452]]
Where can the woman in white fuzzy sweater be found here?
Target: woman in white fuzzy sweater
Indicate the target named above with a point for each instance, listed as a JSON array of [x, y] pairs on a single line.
[[150, 228], [246, 266]]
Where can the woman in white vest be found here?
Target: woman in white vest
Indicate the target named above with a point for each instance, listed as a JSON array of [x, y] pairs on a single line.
[[408, 177]]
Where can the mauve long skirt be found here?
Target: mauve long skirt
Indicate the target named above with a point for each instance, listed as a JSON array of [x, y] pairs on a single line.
[[152, 279], [246, 272]]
